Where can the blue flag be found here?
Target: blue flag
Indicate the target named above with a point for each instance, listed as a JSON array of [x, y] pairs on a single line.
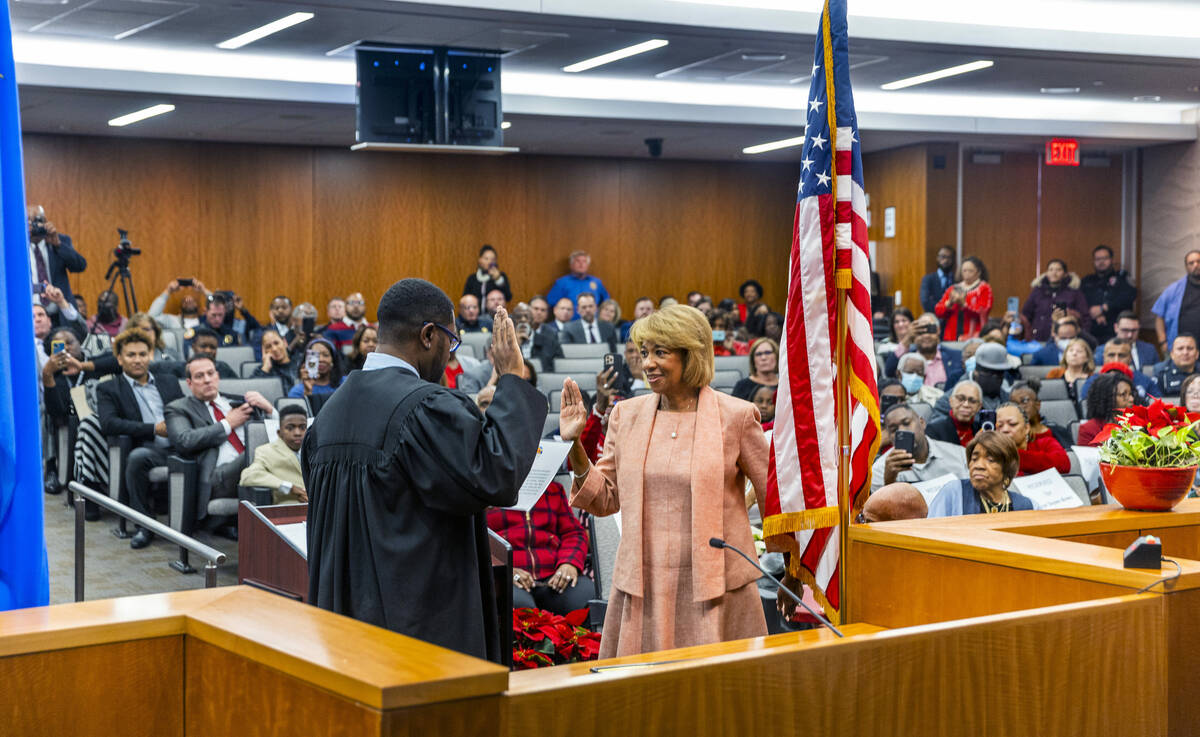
[[24, 578]]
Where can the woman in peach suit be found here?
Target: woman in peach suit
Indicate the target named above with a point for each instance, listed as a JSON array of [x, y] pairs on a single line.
[[675, 463]]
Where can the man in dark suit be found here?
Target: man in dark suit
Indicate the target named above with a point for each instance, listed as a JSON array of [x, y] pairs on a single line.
[[1065, 330], [132, 404], [935, 283], [51, 254], [540, 344], [587, 329], [1127, 327], [204, 342], [209, 426]]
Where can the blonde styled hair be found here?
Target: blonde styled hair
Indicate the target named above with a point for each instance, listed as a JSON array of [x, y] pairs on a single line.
[[680, 328], [1087, 349]]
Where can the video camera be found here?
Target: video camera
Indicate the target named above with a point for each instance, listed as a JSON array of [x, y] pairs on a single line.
[[125, 250]]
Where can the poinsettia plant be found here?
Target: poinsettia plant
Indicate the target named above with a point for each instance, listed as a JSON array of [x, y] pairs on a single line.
[[1159, 436], [541, 638]]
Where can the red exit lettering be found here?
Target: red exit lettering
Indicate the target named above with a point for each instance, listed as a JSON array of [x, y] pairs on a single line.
[[1062, 152]]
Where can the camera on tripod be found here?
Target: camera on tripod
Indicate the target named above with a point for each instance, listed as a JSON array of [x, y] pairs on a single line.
[[119, 270], [125, 250]]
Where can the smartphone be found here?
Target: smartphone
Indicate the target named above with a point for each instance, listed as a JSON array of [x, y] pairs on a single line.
[[614, 361], [308, 325], [312, 363], [1014, 304], [987, 419], [185, 282], [904, 440], [57, 346], [39, 288], [1060, 306]]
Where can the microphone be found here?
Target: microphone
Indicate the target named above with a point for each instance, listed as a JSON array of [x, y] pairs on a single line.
[[718, 543]]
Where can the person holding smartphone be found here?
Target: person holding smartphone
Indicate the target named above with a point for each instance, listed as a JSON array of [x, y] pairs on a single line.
[[914, 457], [1053, 296], [321, 372]]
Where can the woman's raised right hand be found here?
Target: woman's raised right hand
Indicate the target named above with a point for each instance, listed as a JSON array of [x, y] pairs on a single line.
[[574, 413]]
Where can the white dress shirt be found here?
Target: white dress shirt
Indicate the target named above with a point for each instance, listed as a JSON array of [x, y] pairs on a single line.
[[227, 453]]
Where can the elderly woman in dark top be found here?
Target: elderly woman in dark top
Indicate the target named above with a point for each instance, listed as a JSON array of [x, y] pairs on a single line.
[[764, 369], [992, 463]]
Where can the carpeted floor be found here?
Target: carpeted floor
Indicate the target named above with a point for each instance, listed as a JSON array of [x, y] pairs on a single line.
[[112, 568]]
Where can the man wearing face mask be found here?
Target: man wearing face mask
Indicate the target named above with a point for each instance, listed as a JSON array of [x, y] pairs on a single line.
[[1108, 291], [992, 364], [943, 366], [107, 320], [1065, 330], [1177, 310], [912, 378]]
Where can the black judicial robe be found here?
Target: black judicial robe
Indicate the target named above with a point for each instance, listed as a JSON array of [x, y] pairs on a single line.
[[399, 472]]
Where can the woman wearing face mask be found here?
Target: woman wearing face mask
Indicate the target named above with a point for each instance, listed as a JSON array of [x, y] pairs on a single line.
[[992, 462], [966, 304], [764, 369], [1037, 452], [912, 378], [1054, 295], [968, 354], [1109, 394]]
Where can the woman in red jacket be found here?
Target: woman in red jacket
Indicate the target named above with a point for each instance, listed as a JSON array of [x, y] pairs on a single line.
[[549, 549], [1037, 452], [965, 306]]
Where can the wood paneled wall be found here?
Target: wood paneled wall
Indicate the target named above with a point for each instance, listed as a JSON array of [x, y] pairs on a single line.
[[321, 222]]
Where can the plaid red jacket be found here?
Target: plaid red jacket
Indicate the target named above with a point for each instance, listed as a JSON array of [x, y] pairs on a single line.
[[545, 538]]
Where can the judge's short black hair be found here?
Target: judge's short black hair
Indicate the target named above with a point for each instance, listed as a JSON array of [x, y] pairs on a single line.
[[407, 305], [291, 409]]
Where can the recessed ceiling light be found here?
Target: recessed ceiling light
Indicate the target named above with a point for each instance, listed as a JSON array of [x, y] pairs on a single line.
[[973, 66], [763, 57], [505, 125], [140, 115], [1147, 98], [276, 26], [1060, 90], [643, 47], [774, 145]]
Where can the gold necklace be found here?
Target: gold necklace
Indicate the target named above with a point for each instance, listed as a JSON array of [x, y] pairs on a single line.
[[990, 507]]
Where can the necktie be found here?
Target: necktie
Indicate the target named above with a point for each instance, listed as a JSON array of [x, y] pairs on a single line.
[[233, 439], [40, 261], [592, 334]]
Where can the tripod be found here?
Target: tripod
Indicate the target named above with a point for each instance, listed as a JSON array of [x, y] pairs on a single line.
[[119, 269]]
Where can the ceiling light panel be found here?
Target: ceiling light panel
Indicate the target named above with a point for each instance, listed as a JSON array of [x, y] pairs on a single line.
[[262, 32], [140, 115], [762, 148], [112, 19], [933, 76], [610, 57]]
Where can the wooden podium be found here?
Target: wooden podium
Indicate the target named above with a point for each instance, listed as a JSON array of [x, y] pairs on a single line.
[[267, 559]]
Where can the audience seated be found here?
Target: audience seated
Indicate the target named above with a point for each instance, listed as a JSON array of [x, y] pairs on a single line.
[[929, 459], [337, 331], [751, 293], [894, 502], [190, 315], [208, 426], [61, 310], [901, 326], [965, 305], [276, 465], [773, 326], [539, 311], [1076, 363], [992, 464], [1111, 393], [992, 367], [535, 343], [610, 312], [356, 311], [132, 404], [564, 313], [469, 318], [587, 329], [964, 400], [149, 326], [1025, 396], [1189, 394], [1177, 309], [935, 283], [276, 361], [329, 371], [1036, 453], [1179, 365], [1066, 329], [281, 311], [725, 336], [943, 365], [487, 276], [1127, 327], [576, 282], [107, 319], [366, 338], [214, 321], [1054, 296], [764, 369], [1108, 291], [493, 302], [204, 342], [1118, 357], [912, 378]]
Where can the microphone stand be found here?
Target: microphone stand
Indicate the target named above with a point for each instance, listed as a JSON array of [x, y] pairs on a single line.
[[717, 542]]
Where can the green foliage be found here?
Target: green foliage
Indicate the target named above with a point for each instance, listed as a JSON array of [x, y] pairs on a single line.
[[1167, 447]]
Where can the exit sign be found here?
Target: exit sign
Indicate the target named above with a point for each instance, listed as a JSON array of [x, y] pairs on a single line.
[[1062, 152]]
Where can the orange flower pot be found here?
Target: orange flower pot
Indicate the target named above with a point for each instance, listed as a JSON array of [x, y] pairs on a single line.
[[1147, 489]]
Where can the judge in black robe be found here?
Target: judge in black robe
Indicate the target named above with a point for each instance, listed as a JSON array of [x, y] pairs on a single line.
[[399, 472]]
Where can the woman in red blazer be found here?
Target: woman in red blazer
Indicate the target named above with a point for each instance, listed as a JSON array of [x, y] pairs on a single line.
[[675, 464], [965, 306]]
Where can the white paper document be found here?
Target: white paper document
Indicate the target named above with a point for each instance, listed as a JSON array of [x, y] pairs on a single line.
[[297, 534], [550, 457], [1047, 490]]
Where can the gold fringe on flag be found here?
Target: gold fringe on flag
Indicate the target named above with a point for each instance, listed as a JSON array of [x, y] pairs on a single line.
[[809, 519]]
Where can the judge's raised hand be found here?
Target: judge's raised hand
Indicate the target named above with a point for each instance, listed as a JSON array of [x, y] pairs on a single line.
[[506, 349], [573, 414]]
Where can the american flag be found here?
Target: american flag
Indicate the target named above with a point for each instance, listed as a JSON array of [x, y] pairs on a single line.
[[829, 245]]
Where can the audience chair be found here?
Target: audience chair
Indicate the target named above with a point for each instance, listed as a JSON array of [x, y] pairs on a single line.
[[478, 342], [119, 448], [1074, 435], [741, 364], [269, 386], [555, 400], [246, 370], [604, 535], [1076, 470], [235, 355], [1035, 372], [1171, 400], [1053, 389], [954, 344], [1079, 486], [725, 379], [256, 435], [1026, 359], [549, 382], [550, 426], [172, 344], [584, 350], [1148, 370], [574, 366], [292, 401], [1059, 412], [922, 409]]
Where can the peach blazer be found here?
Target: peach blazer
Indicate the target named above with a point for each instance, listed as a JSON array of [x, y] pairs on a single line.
[[729, 446]]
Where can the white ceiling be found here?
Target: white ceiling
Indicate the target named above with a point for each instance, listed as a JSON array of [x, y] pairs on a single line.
[[713, 90]]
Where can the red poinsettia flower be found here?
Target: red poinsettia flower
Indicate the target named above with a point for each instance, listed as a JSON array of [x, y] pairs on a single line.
[[524, 659], [577, 617]]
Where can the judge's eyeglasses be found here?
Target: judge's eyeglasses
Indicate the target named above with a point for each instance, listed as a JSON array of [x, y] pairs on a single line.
[[454, 341]]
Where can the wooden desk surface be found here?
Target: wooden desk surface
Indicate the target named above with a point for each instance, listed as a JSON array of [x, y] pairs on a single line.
[[367, 664]]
